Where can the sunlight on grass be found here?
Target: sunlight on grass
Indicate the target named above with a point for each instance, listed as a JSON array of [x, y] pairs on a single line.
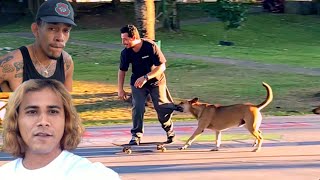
[[98, 101]]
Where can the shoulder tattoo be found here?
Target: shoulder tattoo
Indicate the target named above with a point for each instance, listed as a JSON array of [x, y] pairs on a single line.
[[7, 68], [18, 75], [18, 65], [4, 60], [68, 63]]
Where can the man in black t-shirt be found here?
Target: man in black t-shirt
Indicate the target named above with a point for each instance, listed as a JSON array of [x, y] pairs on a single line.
[[148, 66]]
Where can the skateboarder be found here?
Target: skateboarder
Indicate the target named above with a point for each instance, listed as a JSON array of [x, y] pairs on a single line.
[[148, 66]]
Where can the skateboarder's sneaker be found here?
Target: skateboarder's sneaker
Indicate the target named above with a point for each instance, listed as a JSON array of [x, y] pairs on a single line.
[[134, 141]]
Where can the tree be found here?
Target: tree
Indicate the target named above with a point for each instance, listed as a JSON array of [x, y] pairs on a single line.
[[170, 15], [145, 18]]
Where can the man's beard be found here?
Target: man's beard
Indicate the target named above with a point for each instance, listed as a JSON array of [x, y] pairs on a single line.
[[54, 58]]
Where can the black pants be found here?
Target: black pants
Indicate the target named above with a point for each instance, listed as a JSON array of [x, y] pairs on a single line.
[[162, 102]]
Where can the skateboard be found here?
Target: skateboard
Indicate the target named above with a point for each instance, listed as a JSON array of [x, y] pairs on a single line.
[[127, 147]]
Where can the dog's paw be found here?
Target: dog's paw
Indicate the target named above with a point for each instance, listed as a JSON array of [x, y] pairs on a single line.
[[182, 148], [256, 150], [215, 149], [255, 143]]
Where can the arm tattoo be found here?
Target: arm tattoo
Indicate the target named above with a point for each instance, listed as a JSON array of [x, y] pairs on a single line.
[[18, 75], [68, 64], [6, 59], [18, 65], [7, 68]]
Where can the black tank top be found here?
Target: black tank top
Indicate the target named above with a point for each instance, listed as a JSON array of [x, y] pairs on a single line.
[[30, 72]]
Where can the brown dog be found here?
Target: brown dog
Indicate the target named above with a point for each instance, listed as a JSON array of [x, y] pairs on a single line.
[[219, 118]]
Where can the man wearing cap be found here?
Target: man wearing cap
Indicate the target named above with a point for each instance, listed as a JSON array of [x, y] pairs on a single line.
[[45, 58]]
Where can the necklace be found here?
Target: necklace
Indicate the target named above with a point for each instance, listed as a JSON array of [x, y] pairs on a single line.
[[46, 72]]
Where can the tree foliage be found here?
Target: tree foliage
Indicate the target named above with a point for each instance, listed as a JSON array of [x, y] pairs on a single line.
[[230, 12]]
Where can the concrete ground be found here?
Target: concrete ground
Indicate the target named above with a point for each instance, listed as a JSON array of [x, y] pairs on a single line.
[[295, 155]]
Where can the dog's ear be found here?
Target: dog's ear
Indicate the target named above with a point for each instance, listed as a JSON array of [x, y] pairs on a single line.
[[194, 100]]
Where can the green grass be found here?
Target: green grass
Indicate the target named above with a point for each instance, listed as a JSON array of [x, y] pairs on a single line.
[[95, 64], [231, 137], [266, 38]]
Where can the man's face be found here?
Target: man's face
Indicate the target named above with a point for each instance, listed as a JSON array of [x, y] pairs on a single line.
[[126, 40], [53, 37], [41, 122]]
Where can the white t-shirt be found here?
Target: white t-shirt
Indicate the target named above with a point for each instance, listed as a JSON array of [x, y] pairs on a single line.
[[66, 166]]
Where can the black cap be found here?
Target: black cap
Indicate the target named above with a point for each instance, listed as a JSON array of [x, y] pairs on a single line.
[[56, 11]]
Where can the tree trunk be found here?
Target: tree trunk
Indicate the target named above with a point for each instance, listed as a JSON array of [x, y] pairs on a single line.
[[145, 18], [170, 15]]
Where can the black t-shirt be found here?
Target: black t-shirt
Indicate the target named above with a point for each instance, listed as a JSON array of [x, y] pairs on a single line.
[[143, 61]]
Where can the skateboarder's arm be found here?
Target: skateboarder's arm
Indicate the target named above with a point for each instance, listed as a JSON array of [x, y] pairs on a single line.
[[157, 71], [121, 77]]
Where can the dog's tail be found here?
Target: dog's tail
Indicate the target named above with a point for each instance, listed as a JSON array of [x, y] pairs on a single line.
[[268, 98]]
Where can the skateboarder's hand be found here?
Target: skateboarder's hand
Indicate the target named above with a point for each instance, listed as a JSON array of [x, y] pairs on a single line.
[[140, 82], [122, 94]]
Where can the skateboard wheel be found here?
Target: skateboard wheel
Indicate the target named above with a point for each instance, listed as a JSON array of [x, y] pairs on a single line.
[[159, 147], [163, 149], [128, 151]]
